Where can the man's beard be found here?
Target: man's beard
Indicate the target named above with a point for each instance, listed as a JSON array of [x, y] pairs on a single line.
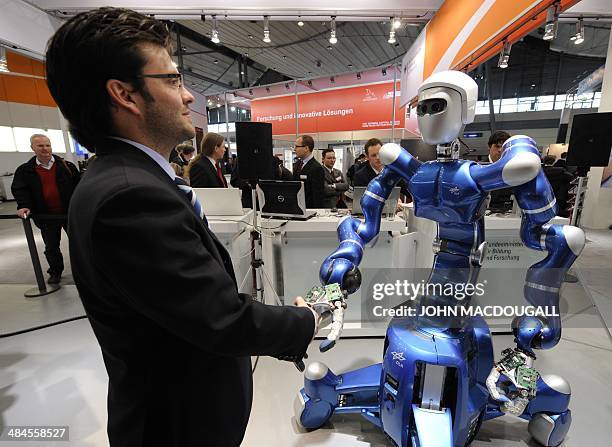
[[165, 130]]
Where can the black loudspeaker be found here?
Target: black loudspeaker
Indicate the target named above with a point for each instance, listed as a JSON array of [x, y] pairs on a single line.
[[254, 147], [590, 140]]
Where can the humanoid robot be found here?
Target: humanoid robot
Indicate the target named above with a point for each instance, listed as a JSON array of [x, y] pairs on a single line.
[[438, 380]]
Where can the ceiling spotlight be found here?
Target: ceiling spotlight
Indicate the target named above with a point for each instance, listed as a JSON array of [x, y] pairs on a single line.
[[350, 65], [266, 37], [384, 72], [578, 37], [332, 79], [358, 75], [329, 47], [233, 108], [396, 22], [287, 85], [218, 104], [300, 23], [284, 57], [251, 92], [242, 72], [552, 16], [309, 83], [318, 64], [268, 89], [332, 36], [216, 61], [504, 56], [215, 33], [391, 36]]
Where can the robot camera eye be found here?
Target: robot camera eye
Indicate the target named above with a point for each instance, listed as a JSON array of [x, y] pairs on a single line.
[[421, 109], [431, 106]]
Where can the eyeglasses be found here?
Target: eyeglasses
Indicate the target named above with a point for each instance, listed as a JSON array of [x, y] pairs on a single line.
[[299, 145], [176, 78]]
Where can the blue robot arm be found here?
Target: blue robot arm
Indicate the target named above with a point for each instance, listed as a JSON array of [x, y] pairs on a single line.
[[341, 266], [520, 168]]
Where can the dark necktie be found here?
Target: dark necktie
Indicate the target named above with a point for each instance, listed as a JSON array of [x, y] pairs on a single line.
[[298, 166], [186, 189]]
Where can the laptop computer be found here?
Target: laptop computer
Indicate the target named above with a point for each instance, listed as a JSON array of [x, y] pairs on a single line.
[[283, 199], [220, 201], [390, 203]]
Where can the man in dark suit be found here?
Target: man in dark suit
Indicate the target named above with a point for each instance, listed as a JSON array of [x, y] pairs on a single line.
[[374, 166], [205, 170], [178, 359], [308, 170], [335, 185], [44, 185], [562, 161]]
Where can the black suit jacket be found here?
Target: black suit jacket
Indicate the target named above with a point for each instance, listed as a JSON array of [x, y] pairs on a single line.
[[313, 176], [160, 293], [202, 174]]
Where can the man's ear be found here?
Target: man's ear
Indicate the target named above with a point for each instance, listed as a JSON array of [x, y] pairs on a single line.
[[122, 96]]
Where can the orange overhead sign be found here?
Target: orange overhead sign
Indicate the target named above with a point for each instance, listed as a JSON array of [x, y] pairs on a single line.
[[353, 108], [465, 33]]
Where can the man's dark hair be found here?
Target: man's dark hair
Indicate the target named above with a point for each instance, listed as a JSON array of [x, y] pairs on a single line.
[[371, 142], [86, 52], [548, 160], [564, 155], [308, 141], [361, 157], [498, 137], [326, 151]]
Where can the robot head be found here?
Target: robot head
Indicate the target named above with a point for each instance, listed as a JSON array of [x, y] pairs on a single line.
[[447, 102]]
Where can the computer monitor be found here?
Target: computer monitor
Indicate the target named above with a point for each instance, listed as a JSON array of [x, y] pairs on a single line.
[[282, 199], [590, 140], [419, 149]]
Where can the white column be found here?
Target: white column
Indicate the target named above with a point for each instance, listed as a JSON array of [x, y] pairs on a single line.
[[597, 212]]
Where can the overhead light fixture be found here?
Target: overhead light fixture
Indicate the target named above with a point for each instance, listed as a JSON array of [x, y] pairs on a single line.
[[242, 72], [358, 75], [504, 56], [396, 22], [251, 92], [309, 83], [268, 89], [350, 65], [332, 36], [218, 104], [3, 60], [391, 36], [216, 61], [215, 33], [233, 108], [332, 79], [300, 23], [552, 16], [578, 37], [266, 37], [384, 72]]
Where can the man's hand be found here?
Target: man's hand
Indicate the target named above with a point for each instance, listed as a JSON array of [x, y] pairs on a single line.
[[23, 212]]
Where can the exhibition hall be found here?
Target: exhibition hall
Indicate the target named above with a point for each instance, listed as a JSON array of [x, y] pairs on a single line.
[[346, 224]]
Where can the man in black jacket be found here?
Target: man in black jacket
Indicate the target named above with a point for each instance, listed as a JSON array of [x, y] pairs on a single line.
[[309, 171], [43, 186], [178, 360]]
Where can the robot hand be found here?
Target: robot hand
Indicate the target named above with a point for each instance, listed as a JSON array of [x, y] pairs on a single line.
[[327, 302], [515, 365]]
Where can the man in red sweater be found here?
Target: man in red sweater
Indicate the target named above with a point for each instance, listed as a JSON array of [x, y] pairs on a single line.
[[43, 186]]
